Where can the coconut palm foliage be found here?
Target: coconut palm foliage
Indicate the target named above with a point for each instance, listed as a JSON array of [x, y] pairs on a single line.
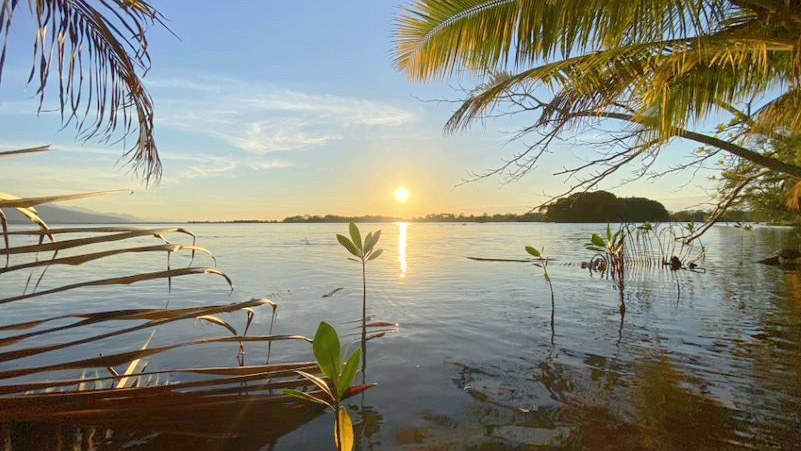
[[117, 389], [662, 67], [98, 52]]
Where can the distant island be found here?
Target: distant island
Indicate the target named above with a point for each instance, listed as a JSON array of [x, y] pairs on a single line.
[[603, 206], [597, 206]]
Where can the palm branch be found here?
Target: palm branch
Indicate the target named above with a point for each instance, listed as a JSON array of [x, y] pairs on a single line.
[[666, 64], [98, 52]]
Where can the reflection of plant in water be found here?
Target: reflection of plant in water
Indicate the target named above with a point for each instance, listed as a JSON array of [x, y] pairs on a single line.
[[364, 252], [611, 255], [667, 415], [745, 227], [369, 426], [339, 376], [604, 404]]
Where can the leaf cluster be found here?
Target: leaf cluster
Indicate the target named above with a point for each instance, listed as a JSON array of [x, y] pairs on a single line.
[[363, 251]]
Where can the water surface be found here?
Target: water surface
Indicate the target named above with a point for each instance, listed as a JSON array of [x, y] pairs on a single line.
[[701, 360]]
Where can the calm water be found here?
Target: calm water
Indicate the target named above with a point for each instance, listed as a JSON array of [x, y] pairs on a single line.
[[699, 361]]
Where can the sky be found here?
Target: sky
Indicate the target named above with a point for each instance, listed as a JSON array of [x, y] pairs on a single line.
[[271, 109]]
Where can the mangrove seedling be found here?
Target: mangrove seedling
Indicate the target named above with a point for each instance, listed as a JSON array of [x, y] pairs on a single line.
[[611, 249], [363, 252], [544, 265], [338, 377], [612, 252]]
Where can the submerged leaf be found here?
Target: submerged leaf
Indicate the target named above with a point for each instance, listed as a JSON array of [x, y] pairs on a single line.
[[343, 430]]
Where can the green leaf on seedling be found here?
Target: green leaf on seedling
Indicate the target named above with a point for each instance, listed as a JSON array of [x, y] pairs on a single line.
[[349, 372], [366, 249], [345, 242], [305, 396], [608, 233], [375, 254], [319, 382], [372, 241], [533, 251], [355, 235], [326, 350], [597, 240]]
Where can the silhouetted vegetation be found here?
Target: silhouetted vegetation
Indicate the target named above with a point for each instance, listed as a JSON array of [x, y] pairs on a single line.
[[603, 206], [734, 215]]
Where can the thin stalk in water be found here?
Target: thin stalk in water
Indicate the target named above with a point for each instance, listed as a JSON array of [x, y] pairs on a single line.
[[363, 252]]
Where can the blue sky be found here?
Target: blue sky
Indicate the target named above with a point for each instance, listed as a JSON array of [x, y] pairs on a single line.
[[270, 109]]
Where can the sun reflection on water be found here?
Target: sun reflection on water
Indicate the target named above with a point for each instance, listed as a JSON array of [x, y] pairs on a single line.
[[402, 247]]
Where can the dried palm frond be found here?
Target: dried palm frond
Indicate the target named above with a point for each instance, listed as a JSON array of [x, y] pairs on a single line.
[[136, 395]]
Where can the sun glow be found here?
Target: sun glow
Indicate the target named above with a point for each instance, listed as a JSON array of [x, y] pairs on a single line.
[[401, 194]]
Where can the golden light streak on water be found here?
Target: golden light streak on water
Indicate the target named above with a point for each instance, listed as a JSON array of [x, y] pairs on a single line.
[[402, 248]]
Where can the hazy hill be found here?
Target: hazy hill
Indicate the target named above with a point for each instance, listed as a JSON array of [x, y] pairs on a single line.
[[70, 215]]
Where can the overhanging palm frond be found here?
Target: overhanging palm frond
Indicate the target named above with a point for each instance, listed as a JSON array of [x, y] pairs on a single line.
[[677, 81], [99, 54], [434, 38]]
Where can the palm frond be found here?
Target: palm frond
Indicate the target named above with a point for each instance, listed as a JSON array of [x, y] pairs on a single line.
[[434, 38], [99, 54]]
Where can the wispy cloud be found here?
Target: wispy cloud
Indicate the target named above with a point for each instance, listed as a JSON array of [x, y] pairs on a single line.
[[193, 166], [264, 118]]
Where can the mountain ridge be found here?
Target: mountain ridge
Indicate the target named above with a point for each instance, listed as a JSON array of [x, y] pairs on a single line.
[[70, 215]]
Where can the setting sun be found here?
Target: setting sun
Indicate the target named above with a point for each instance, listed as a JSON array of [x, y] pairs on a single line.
[[401, 194]]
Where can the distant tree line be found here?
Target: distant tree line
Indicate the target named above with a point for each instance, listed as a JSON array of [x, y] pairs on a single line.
[[603, 206], [337, 219], [597, 206], [498, 217], [731, 215]]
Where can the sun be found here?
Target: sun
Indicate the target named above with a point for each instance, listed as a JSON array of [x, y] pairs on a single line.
[[401, 194]]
